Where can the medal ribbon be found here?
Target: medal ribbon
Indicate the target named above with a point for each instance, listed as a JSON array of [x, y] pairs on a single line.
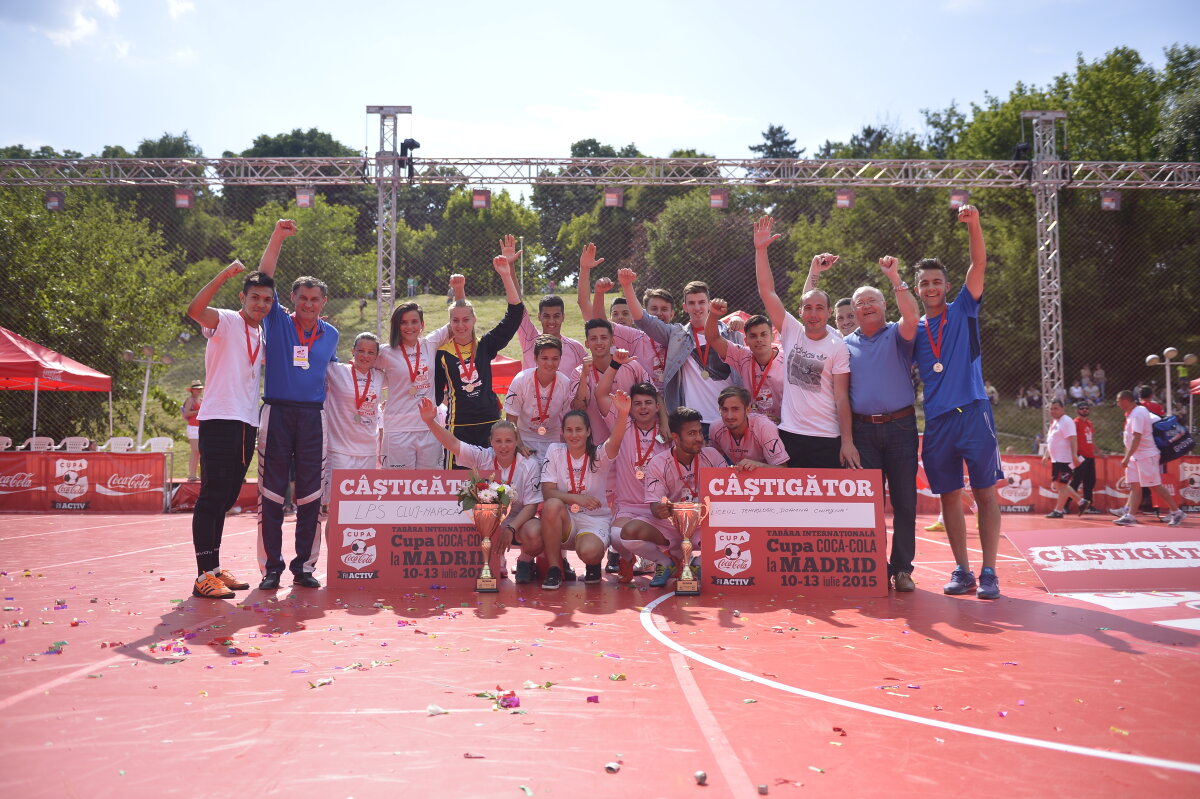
[[755, 387], [413, 369], [359, 400], [579, 488], [512, 470], [251, 354], [937, 347], [642, 458], [468, 372], [543, 415], [306, 341], [679, 471], [702, 354]]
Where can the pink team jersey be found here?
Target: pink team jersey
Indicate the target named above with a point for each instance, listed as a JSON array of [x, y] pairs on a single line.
[[647, 352], [766, 392], [572, 351], [638, 447], [760, 442], [667, 477], [627, 376]]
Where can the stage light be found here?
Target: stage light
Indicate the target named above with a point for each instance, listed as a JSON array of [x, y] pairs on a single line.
[[306, 197], [1110, 201], [845, 199], [481, 198], [614, 197], [55, 200], [959, 198], [184, 197], [718, 197]]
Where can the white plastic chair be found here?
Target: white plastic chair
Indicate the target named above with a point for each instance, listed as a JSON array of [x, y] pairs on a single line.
[[38, 444], [158, 444], [116, 444], [74, 444], [5, 443]]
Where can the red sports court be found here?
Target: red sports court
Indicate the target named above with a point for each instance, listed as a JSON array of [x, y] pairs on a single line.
[[117, 682]]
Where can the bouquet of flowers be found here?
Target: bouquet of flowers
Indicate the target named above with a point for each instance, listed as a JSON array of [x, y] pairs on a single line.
[[477, 491]]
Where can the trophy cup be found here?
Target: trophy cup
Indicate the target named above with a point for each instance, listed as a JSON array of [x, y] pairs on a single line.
[[487, 521], [686, 516]]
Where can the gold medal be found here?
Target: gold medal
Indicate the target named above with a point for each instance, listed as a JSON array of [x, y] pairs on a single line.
[[639, 474], [704, 374], [542, 430], [574, 508], [412, 391], [937, 367]]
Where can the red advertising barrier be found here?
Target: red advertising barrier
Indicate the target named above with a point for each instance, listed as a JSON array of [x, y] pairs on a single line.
[[184, 496], [815, 532], [400, 530], [102, 482]]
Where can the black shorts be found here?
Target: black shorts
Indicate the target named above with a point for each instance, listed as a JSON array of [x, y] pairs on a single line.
[[1061, 473]]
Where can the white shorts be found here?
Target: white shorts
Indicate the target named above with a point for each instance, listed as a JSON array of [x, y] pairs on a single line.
[[1144, 471], [340, 460], [582, 524], [415, 449], [192, 433], [643, 514], [540, 445]]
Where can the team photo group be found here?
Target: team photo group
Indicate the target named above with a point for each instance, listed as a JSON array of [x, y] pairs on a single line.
[[599, 437]]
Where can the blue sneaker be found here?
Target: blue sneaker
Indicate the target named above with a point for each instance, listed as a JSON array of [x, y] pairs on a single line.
[[961, 581], [662, 575], [989, 584]]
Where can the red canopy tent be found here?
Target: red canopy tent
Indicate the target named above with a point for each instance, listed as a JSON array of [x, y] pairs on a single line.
[[28, 366], [504, 369]]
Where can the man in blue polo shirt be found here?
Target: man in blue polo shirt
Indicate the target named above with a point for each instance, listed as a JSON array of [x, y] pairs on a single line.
[[881, 400], [959, 426], [291, 433]]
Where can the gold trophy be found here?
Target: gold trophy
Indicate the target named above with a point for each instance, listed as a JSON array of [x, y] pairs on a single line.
[[487, 521], [687, 516]]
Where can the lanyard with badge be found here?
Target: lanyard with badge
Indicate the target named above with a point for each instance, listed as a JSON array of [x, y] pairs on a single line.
[[300, 352], [367, 413], [252, 354]]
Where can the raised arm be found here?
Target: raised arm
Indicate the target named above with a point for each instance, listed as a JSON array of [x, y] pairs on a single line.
[[763, 238], [587, 260], [283, 229], [969, 215], [458, 285], [613, 445], [820, 263], [905, 301], [712, 336], [604, 386], [199, 309], [503, 264], [428, 413], [603, 286], [627, 277]]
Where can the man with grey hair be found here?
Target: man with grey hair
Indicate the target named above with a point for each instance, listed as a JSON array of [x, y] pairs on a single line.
[[291, 430], [881, 400]]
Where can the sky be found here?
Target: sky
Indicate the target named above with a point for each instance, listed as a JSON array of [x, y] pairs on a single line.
[[526, 79]]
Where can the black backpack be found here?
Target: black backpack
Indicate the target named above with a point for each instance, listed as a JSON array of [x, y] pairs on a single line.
[[1172, 439]]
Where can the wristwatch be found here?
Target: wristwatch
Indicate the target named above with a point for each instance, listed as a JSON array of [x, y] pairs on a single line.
[[902, 286]]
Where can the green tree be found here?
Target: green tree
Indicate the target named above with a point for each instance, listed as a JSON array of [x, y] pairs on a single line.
[[93, 280], [470, 238], [776, 143]]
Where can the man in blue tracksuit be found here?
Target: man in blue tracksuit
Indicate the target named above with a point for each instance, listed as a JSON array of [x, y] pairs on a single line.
[[291, 432]]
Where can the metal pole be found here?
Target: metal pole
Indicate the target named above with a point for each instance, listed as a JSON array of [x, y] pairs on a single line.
[[522, 266], [1167, 383], [145, 392], [35, 401]]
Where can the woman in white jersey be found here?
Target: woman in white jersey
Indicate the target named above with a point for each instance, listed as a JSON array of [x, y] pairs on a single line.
[[575, 514], [506, 460], [352, 411], [408, 361]]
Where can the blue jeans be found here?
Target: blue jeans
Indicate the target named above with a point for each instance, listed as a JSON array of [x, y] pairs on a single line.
[[892, 447]]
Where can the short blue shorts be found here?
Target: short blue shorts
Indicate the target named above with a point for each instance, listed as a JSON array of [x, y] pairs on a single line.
[[963, 434]]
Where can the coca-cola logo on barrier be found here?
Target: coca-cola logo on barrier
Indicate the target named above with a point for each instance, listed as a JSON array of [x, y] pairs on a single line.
[[52, 374], [17, 480], [74, 484], [1017, 487], [361, 543], [129, 482]]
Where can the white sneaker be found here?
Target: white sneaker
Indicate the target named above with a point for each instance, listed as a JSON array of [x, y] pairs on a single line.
[[1176, 518], [1126, 521], [1118, 512]]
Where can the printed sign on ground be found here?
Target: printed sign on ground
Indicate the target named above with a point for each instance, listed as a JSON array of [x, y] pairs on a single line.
[[1148, 557]]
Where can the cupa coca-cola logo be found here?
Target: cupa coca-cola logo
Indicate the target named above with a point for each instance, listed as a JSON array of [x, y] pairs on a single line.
[[17, 480], [130, 482]]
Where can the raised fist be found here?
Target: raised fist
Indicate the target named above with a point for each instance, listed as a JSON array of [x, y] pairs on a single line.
[[235, 268], [604, 285], [285, 227], [626, 276], [968, 214], [718, 306], [622, 356]]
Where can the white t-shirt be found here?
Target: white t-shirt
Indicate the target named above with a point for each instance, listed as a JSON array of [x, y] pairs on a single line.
[[1140, 420], [231, 381], [401, 414], [352, 428], [590, 483], [808, 405], [522, 402], [700, 393], [525, 475], [1061, 429]]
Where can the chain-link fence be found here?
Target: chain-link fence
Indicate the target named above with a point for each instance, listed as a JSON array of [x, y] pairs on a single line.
[[115, 268]]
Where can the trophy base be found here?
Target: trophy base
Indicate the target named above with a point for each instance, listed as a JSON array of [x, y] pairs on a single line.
[[486, 585], [687, 587]]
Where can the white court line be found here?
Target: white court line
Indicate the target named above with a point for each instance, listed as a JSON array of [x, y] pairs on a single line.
[[79, 529], [131, 552], [969, 549], [648, 623]]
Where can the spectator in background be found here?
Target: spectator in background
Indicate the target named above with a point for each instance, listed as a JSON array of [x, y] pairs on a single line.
[[1091, 393], [1077, 391], [992, 394], [1063, 452], [1147, 400], [1085, 374], [1085, 472], [1098, 377], [1022, 397], [1034, 397], [191, 413]]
